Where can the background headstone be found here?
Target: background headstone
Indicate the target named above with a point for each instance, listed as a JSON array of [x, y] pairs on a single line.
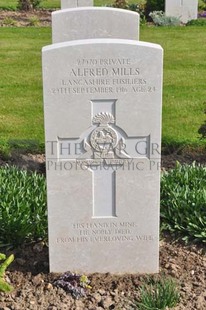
[[102, 105], [65, 4], [89, 23], [184, 9]]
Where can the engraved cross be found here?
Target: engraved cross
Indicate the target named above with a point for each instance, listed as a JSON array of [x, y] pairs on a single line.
[[105, 147]]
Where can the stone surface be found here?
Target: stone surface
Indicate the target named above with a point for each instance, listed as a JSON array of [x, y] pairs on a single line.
[[92, 23], [65, 4], [184, 9], [102, 104]]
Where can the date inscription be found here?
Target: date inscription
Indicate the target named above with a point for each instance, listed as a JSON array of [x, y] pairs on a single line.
[[93, 76]]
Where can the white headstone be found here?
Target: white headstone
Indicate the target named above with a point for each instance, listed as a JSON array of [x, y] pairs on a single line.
[[102, 104], [184, 9], [65, 4], [92, 23]]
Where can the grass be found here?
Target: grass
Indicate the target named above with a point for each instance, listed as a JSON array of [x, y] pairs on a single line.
[[12, 4], [184, 93], [48, 4], [21, 115], [54, 4], [158, 294], [8, 4], [184, 86]]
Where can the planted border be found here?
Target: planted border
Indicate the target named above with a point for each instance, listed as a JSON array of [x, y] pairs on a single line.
[[23, 214], [183, 202]]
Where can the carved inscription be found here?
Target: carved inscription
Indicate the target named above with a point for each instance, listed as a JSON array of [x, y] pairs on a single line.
[[92, 76], [105, 232]]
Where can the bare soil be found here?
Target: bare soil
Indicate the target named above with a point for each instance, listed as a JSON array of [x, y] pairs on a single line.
[[36, 162], [34, 286], [41, 18]]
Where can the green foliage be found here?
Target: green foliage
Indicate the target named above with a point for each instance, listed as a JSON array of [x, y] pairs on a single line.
[[34, 21], [183, 202], [84, 281], [22, 207], [202, 131], [139, 8], [36, 3], [135, 7], [27, 5], [202, 4], [8, 8], [8, 21], [197, 22], [121, 4], [154, 5], [5, 264], [160, 19], [158, 294], [4, 286]]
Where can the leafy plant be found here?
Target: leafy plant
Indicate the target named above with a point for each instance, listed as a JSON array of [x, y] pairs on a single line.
[[8, 21], [36, 3], [154, 5], [135, 7], [121, 4], [33, 21], [160, 19], [202, 4], [202, 130], [74, 284], [139, 8], [22, 207], [183, 202], [4, 286], [197, 22], [159, 294], [27, 5]]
